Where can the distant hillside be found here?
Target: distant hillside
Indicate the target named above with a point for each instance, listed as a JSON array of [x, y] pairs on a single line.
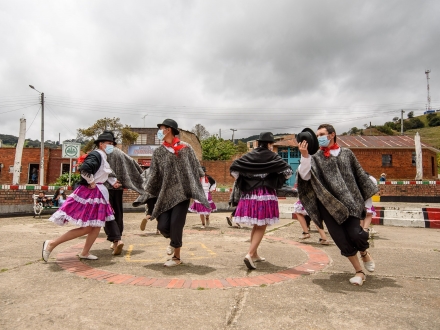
[[11, 141]]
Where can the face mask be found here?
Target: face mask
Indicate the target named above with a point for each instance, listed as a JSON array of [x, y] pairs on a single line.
[[109, 149], [160, 135], [61, 191], [323, 141]]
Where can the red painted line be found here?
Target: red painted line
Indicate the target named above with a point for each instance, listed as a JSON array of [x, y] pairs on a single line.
[[137, 280], [179, 284], [148, 282], [231, 282], [187, 284], [225, 283], [239, 281], [194, 284], [203, 284], [218, 284], [172, 283]]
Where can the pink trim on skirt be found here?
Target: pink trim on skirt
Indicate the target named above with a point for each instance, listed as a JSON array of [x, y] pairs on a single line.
[[84, 207], [258, 207], [199, 208]]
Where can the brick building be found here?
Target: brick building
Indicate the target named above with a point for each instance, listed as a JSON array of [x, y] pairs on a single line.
[[54, 165]]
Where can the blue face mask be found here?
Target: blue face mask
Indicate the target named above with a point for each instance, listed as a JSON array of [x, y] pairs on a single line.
[[109, 149], [160, 135], [323, 141]]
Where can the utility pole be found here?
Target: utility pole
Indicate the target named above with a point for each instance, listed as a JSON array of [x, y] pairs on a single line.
[[41, 175], [233, 130], [220, 133], [144, 118], [401, 121]]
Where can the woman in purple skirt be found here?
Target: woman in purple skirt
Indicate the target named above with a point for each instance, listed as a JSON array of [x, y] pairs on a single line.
[[259, 174], [88, 206], [208, 184]]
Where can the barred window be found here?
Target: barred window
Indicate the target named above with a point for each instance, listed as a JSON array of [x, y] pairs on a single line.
[[142, 139], [387, 160]]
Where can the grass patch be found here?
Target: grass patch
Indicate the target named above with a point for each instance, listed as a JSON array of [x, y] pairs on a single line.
[[200, 288], [3, 270], [263, 285]]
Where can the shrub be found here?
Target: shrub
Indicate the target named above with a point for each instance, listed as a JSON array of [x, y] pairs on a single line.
[[63, 180]]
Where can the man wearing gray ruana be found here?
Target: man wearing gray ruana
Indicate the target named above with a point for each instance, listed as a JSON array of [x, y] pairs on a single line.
[[175, 174], [333, 187]]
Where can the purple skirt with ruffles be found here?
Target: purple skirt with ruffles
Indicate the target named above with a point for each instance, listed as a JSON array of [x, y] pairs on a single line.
[[258, 207], [199, 208], [84, 207]]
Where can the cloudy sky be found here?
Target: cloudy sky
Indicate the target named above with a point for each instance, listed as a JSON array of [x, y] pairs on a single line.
[[253, 65]]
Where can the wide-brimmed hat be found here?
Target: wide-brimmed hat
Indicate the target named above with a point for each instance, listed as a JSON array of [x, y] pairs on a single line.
[[106, 136], [170, 123], [266, 137], [312, 141]]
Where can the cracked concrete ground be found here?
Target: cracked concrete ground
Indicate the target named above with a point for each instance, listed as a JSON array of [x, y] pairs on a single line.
[[403, 292]]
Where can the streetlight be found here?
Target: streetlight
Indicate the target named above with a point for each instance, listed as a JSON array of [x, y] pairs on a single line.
[[41, 175], [233, 130]]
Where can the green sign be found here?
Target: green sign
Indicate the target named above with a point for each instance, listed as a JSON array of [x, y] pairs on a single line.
[[71, 150]]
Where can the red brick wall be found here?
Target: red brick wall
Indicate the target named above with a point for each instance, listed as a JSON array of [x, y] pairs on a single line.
[[219, 170], [29, 156], [55, 161], [401, 169]]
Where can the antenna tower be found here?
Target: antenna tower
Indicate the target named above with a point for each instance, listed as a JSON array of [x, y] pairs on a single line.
[[429, 97]]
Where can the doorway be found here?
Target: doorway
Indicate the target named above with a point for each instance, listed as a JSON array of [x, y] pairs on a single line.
[[33, 173]]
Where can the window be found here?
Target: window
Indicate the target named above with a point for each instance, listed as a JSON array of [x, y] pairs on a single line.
[[414, 159], [65, 168], [387, 160], [251, 145], [142, 139], [156, 140]]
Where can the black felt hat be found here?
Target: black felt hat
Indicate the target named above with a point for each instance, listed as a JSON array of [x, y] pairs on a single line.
[[106, 136], [170, 123], [266, 137], [310, 136]]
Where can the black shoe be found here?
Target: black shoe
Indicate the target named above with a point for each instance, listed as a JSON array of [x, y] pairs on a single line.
[[229, 221]]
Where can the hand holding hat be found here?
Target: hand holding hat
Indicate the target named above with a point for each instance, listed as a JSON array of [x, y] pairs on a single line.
[[310, 139]]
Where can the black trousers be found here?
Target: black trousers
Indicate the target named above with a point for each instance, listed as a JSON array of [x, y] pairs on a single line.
[[349, 236], [171, 223], [114, 229]]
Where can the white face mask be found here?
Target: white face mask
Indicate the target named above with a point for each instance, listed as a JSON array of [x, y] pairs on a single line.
[[160, 134], [109, 149], [61, 191]]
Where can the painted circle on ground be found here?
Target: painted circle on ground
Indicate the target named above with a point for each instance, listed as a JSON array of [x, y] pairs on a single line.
[[210, 261]]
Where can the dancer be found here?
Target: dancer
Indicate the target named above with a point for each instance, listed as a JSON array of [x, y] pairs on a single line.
[[259, 173], [208, 184], [175, 176], [128, 172], [333, 186], [88, 206], [371, 211], [304, 221]]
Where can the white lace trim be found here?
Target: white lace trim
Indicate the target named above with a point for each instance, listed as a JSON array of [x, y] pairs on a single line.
[[260, 197], [88, 200], [59, 218], [255, 221]]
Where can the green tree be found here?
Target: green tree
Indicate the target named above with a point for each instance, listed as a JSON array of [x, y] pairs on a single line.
[[396, 119], [215, 148], [411, 114], [63, 180], [385, 129], [123, 134], [200, 131], [241, 147]]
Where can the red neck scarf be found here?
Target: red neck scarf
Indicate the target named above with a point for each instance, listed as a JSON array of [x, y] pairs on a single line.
[[175, 145], [206, 179], [326, 150]]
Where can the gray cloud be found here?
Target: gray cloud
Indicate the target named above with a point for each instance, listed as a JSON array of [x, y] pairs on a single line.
[[250, 65]]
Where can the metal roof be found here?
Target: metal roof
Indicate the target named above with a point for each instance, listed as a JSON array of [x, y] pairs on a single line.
[[380, 142]]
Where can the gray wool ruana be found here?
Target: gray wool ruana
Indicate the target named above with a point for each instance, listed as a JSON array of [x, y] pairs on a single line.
[[127, 171], [340, 184], [174, 179]]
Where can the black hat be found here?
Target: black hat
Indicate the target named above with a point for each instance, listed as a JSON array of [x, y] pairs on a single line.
[[204, 168], [170, 123], [266, 137], [310, 136], [106, 136]]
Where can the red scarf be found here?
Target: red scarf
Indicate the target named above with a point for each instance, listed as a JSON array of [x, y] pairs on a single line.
[[206, 179], [175, 145], [326, 150]]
